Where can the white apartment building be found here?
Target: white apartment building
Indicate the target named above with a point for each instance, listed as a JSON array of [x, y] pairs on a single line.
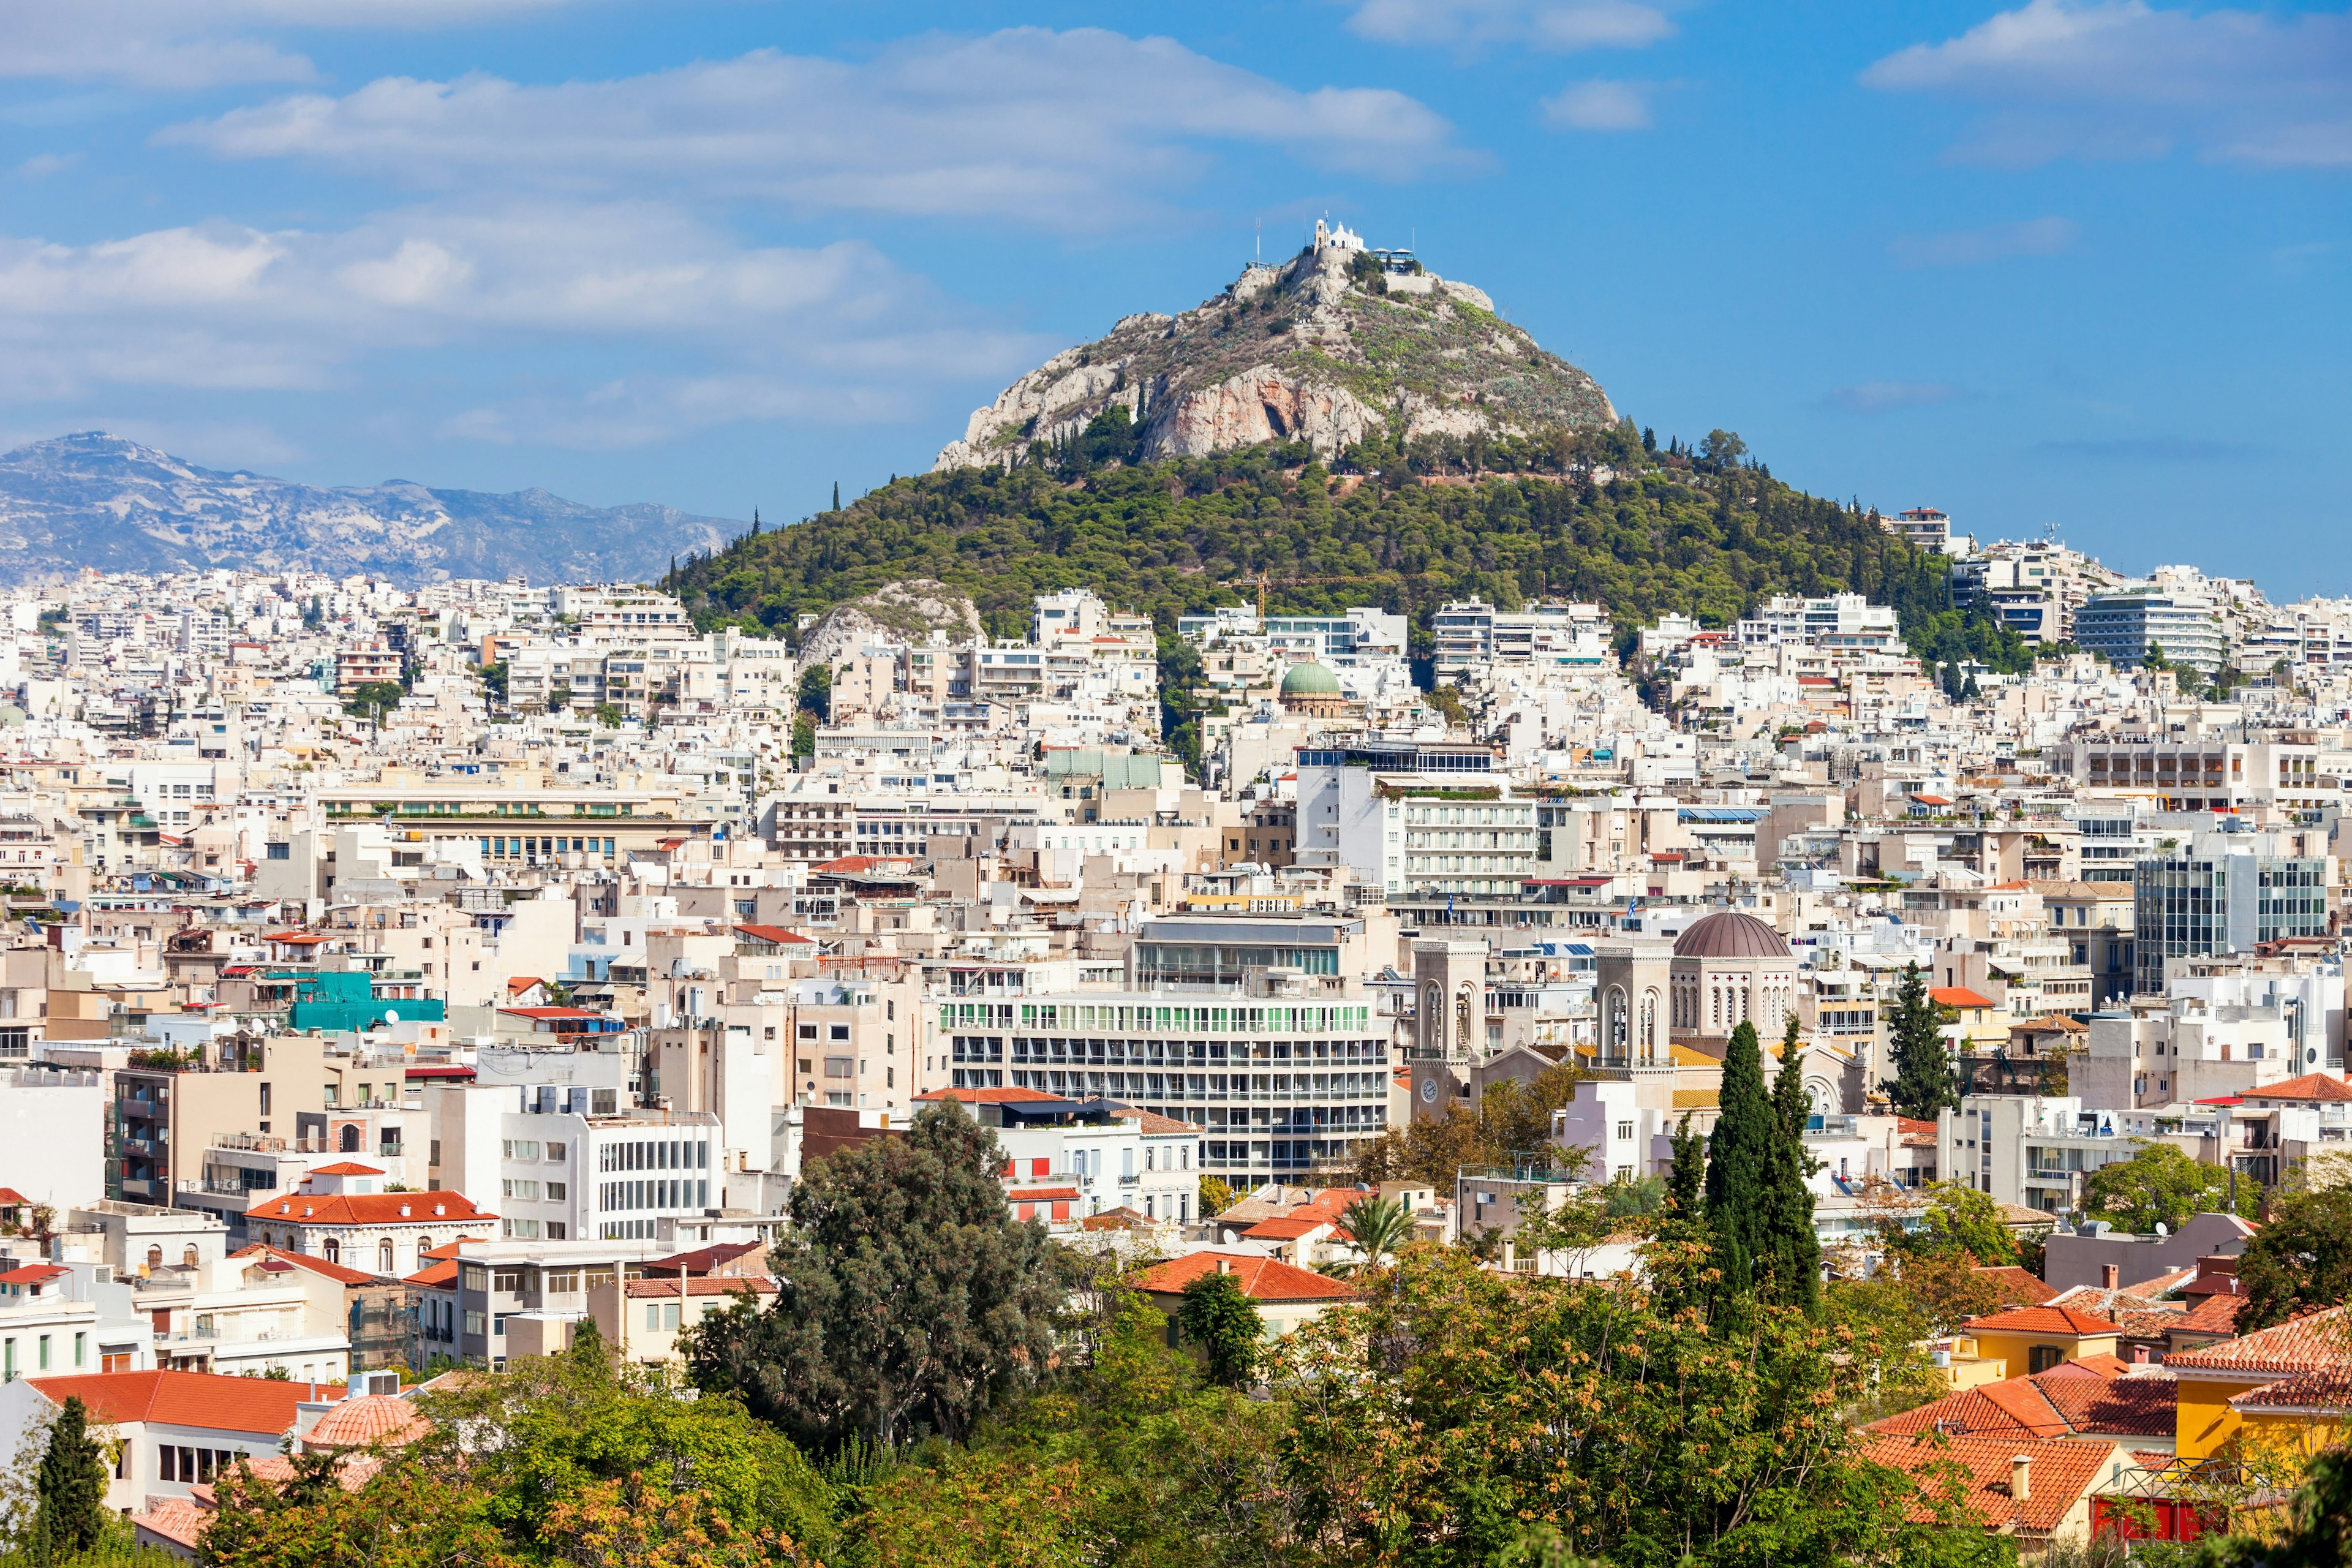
[[1471, 632], [1845, 626]]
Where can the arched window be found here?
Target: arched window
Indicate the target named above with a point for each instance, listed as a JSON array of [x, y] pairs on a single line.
[[383, 1256], [334, 1251], [188, 1257], [350, 1138], [154, 1258]]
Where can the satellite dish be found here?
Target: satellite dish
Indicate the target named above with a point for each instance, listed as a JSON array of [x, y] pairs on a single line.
[[391, 1015], [2162, 1228]]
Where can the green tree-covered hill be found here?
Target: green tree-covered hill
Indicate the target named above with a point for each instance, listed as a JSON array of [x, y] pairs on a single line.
[[1706, 535]]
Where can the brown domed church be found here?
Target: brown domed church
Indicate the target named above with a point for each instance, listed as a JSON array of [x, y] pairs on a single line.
[[1726, 969]]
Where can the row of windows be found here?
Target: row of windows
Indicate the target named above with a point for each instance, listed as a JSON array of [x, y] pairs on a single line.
[[654, 1154], [1161, 1053], [530, 849], [1205, 1085], [666, 1193], [41, 1353]]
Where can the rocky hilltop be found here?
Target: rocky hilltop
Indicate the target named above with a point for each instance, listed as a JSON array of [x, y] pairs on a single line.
[[1338, 344], [910, 610], [95, 499]]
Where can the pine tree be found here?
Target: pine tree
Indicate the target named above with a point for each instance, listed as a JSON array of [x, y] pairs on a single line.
[[1923, 1082], [1795, 1265], [69, 1492], [1740, 1154], [837, 495]]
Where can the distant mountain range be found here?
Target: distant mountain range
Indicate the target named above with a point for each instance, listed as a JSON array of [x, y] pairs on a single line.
[[95, 499]]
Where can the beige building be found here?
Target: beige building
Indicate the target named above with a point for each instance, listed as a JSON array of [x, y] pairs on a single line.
[[165, 1112]]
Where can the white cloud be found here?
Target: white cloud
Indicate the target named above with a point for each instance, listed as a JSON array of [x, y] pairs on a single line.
[[183, 44], [1559, 26], [1599, 106], [1994, 242], [2125, 78], [1887, 396], [723, 331], [1072, 131]]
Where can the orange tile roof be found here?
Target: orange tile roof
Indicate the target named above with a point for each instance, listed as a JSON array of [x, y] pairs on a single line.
[[2216, 1314], [200, 1399], [2062, 1470], [347, 1168], [2329, 1390], [440, 1274], [371, 1209], [776, 935], [334, 1271], [371, 1418], [2313, 1343], [2313, 1086], [707, 1285], [1958, 996], [995, 1095], [1261, 1279], [1043, 1194], [1152, 1121], [2043, 1321], [175, 1519]]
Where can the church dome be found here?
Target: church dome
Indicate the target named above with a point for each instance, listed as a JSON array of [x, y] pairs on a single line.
[[1310, 679], [1728, 933]]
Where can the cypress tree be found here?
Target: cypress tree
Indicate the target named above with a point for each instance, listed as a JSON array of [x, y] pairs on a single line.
[[837, 495], [1795, 1265], [1923, 1082], [1686, 1182], [69, 1492], [1740, 1155]]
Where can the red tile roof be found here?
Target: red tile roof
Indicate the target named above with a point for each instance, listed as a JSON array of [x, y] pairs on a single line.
[[2329, 1390], [2311, 1086], [1043, 1194], [440, 1274], [2062, 1470], [2315, 1341], [707, 1285], [32, 1274], [2216, 1314], [1958, 996], [176, 1518], [1261, 1279], [371, 1209], [319, 1266], [200, 1399], [371, 1418], [1152, 1121], [10, 1198], [991, 1095], [776, 935], [2043, 1321], [347, 1168]]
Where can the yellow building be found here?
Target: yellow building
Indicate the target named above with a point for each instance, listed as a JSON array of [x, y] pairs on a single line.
[[2028, 1340], [2290, 1384]]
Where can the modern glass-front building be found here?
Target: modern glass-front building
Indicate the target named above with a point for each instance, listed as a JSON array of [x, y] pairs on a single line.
[[2125, 626], [2222, 894]]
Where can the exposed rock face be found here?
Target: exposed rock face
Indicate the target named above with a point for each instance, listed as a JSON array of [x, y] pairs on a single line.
[[911, 610], [95, 499], [1330, 349]]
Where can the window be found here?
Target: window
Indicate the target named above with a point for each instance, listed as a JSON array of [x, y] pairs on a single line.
[[556, 1191], [507, 1280], [555, 1152], [1625, 1129]]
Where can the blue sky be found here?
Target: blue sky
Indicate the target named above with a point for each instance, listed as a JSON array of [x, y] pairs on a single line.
[[2085, 263]]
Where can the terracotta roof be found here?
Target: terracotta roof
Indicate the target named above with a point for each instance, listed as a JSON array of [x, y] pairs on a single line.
[[10, 1198], [1261, 1279], [702, 1261], [334, 1271], [371, 1418], [2216, 1314], [1044, 1195], [1289, 1227], [2329, 1390], [703, 1284], [2049, 1021], [2061, 1471], [2106, 1303], [2041, 1321], [32, 1274], [2313, 1343], [440, 1274], [776, 934], [1121, 1219], [202, 1399], [2313, 1086], [347, 1168], [992, 1096], [371, 1209], [2023, 1285], [1957, 997], [176, 1518], [1152, 1121]]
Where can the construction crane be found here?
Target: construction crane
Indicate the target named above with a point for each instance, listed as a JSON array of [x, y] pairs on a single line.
[[1262, 582]]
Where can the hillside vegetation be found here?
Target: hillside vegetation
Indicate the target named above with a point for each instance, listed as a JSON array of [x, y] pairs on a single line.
[[1705, 534]]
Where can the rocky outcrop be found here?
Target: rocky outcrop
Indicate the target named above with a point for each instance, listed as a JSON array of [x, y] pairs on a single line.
[[910, 610], [1331, 348], [95, 499]]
